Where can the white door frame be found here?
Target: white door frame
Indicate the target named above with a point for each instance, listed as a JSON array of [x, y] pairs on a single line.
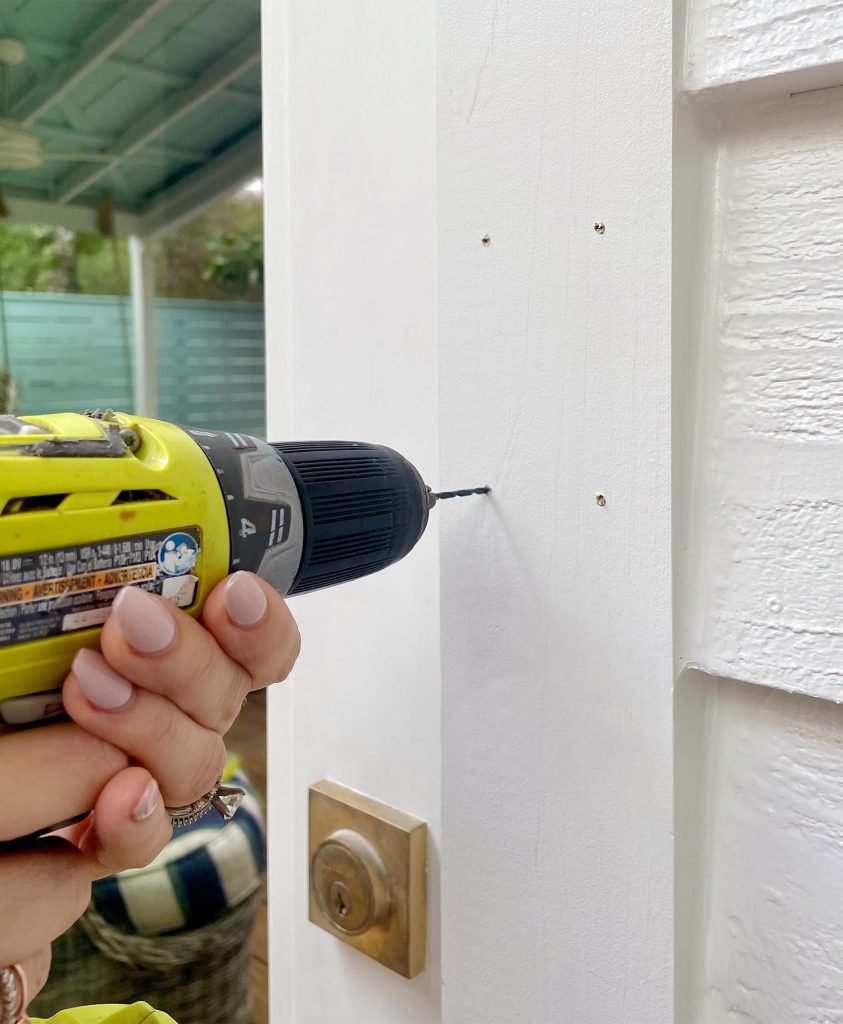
[[535, 734]]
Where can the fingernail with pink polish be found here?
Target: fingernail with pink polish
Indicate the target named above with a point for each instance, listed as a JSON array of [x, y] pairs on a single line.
[[145, 622], [103, 687], [145, 807], [244, 600]]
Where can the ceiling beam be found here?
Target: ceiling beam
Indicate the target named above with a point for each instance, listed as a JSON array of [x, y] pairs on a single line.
[[79, 117], [135, 69], [177, 80], [226, 70], [24, 209], [222, 176], [104, 41], [75, 138], [151, 155]]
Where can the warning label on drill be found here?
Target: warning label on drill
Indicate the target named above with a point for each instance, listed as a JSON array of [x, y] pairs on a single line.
[[46, 593]]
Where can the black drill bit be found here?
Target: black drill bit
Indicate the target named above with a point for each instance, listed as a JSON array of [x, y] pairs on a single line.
[[465, 493]]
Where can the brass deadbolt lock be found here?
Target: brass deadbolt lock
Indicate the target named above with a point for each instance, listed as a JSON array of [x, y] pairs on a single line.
[[368, 876], [349, 882]]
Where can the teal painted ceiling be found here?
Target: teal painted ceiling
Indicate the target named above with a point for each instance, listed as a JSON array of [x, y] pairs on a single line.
[[130, 98]]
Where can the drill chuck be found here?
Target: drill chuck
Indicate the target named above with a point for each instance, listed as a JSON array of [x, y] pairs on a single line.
[[364, 506]]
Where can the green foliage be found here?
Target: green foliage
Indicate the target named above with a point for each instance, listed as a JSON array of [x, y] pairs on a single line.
[[101, 266], [29, 257], [37, 258], [236, 260], [219, 255]]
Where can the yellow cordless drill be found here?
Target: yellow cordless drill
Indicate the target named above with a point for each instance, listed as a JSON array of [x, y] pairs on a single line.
[[95, 502]]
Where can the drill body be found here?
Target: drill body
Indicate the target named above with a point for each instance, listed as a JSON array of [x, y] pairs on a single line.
[[91, 503]]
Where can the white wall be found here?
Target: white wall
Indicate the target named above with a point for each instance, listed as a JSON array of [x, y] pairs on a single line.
[[760, 445], [351, 299], [556, 616], [764, 836], [555, 766], [281, 834], [769, 497]]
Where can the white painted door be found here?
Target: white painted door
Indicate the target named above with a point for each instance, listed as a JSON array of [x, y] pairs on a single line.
[[510, 681], [350, 185]]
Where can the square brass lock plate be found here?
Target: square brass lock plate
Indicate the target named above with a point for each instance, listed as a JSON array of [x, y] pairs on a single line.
[[368, 876]]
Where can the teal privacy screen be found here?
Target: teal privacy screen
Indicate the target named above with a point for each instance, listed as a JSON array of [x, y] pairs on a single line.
[[69, 353]]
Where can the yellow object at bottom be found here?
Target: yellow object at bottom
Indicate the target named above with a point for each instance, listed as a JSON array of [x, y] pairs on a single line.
[[137, 1013]]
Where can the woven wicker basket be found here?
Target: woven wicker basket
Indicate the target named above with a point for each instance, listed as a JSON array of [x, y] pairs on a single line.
[[198, 977]]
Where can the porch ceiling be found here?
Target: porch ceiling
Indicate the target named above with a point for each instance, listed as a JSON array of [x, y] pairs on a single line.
[[153, 103]]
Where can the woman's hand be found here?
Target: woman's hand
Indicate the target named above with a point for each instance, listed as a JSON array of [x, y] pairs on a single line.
[[166, 689], [149, 715]]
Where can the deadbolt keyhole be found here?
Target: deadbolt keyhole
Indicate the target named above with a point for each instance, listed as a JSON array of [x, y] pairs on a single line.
[[340, 900], [340, 904]]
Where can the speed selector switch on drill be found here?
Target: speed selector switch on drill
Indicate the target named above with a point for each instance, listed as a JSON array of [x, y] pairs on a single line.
[[93, 503]]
